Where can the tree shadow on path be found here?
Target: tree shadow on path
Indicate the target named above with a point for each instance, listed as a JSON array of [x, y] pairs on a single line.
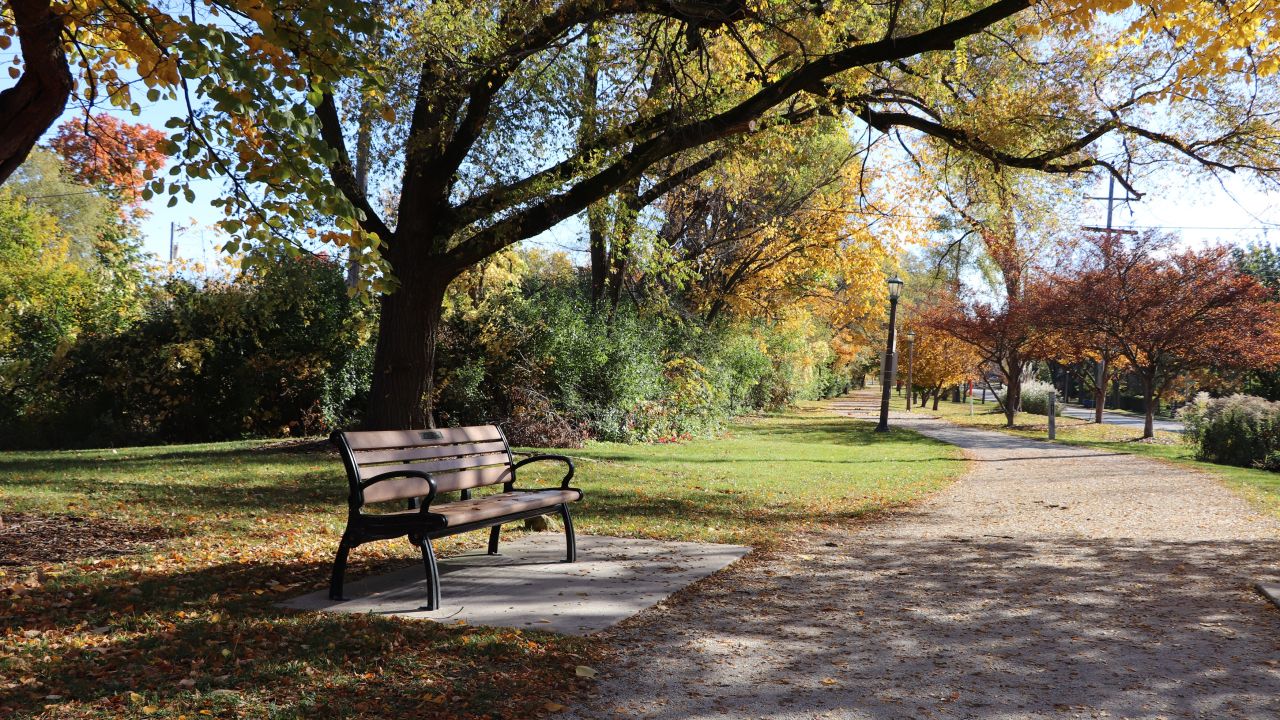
[[964, 627]]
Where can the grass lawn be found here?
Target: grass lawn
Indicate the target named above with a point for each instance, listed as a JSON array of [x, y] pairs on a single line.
[[189, 627], [1260, 487]]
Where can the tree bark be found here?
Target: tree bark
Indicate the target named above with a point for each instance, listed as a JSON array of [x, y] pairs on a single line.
[[1148, 401], [401, 395], [587, 129], [1013, 391], [32, 105]]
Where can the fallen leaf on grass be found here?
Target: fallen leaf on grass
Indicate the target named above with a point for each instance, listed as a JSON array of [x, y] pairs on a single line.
[[223, 692], [585, 672], [554, 707]]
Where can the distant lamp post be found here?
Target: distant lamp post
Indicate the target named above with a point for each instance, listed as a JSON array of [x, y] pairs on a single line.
[[911, 346], [895, 289]]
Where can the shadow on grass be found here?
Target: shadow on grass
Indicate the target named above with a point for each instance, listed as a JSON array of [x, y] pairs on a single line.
[[320, 494], [174, 637]]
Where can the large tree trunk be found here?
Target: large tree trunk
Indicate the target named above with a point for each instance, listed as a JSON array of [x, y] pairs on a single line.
[[400, 397], [599, 253], [33, 104], [597, 225]]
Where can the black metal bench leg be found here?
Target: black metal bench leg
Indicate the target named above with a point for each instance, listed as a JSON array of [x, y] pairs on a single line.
[[494, 532], [339, 569], [572, 546], [433, 575]]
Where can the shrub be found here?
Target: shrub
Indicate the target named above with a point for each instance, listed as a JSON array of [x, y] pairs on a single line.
[[535, 356], [1035, 398], [278, 352], [1241, 430]]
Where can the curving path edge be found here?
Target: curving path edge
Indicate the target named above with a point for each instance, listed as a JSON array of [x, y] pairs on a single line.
[[1049, 582]]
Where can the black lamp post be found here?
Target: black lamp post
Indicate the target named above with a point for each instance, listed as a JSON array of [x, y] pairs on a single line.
[[911, 347], [895, 289]]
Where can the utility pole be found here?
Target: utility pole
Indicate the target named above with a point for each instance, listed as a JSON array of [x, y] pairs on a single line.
[[1111, 204], [1100, 395]]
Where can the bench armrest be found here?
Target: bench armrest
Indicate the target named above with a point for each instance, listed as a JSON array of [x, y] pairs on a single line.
[[431, 483], [564, 483]]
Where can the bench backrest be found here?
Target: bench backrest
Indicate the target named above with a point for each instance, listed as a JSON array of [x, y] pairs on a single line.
[[456, 458]]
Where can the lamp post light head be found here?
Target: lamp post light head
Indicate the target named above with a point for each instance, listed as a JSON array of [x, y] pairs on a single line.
[[895, 287], [911, 336]]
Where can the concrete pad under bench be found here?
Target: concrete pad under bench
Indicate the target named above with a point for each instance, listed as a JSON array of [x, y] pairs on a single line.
[[1270, 591], [529, 586]]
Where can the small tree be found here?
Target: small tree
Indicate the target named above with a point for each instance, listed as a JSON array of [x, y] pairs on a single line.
[[105, 152], [1170, 312], [940, 360], [1000, 335], [1091, 357]]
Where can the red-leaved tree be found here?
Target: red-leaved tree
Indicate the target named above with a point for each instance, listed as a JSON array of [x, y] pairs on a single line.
[[106, 152], [1168, 311], [1002, 334]]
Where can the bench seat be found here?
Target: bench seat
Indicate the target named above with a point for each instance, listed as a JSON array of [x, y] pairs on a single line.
[[488, 507], [412, 467]]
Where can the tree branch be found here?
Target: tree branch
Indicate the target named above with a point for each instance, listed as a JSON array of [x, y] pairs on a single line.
[[32, 105], [342, 172]]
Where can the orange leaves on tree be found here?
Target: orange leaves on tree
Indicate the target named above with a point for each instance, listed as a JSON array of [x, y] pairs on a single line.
[[939, 360], [120, 157]]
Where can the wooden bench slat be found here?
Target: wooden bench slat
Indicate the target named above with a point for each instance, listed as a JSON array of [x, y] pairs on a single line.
[[405, 488], [435, 466], [381, 439], [467, 479], [368, 457], [396, 489]]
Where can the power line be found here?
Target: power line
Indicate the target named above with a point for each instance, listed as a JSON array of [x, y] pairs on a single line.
[[903, 216], [1203, 227]]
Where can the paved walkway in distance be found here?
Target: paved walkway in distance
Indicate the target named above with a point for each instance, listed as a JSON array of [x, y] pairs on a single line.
[[1050, 582], [1111, 418]]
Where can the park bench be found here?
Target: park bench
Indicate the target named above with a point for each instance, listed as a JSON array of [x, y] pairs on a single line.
[[418, 466]]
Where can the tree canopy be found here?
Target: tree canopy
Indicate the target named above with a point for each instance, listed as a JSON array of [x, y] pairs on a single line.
[[463, 148]]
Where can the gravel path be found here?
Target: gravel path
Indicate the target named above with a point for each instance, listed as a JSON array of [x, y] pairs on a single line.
[[1050, 582]]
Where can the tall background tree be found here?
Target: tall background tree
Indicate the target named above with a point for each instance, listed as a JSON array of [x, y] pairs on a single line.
[[675, 78]]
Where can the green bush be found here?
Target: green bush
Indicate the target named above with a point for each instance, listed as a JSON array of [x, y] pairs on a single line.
[[1238, 430], [274, 352], [536, 357]]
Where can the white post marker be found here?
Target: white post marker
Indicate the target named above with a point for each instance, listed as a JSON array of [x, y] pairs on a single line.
[[1053, 409]]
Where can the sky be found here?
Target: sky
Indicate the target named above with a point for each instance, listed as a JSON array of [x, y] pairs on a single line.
[[1200, 209]]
